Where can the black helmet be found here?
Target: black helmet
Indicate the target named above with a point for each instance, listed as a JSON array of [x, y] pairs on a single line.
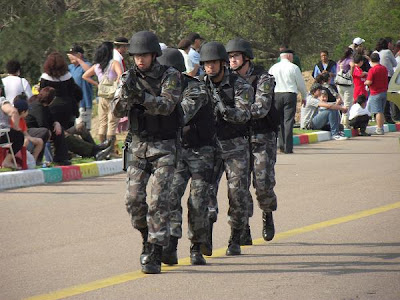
[[240, 45], [213, 51], [172, 57], [144, 42]]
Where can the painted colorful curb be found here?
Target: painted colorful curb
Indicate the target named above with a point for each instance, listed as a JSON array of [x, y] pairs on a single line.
[[16, 179], [320, 136]]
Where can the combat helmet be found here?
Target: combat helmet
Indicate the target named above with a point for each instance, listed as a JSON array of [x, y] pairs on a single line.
[[172, 57], [144, 42], [240, 45], [213, 51]]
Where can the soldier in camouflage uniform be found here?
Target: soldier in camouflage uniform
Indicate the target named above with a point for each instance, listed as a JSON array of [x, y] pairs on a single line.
[[196, 162], [148, 94], [263, 127], [231, 96]]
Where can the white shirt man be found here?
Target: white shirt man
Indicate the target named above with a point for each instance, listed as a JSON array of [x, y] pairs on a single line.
[[15, 85], [289, 82], [121, 45]]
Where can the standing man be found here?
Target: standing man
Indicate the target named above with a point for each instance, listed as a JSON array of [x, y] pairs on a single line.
[[263, 130], [377, 81], [296, 58], [231, 96], [325, 64], [194, 54], [121, 45], [289, 82], [196, 162], [77, 67], [148, 95]]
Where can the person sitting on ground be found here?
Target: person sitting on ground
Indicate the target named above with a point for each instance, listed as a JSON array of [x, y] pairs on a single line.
[[359, 115], [323, 80], [313, 118], [39, 116], [7, 112], [33, 144], [14, 84], [80, 141]]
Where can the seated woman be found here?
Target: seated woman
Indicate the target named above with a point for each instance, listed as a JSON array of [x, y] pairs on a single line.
[[7, 112], [65, 107], [39, 116]]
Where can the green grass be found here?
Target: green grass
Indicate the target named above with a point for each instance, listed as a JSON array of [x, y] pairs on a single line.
[[297, 131]]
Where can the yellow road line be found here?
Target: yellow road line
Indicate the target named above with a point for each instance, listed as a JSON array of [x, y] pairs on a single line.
[[103, 283]]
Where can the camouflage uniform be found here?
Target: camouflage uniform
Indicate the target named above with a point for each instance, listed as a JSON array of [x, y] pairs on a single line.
[[231, 151], [196, 162], [262, 142], [152, 153]]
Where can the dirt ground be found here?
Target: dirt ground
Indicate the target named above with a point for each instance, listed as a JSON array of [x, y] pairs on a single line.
[[307, 78]]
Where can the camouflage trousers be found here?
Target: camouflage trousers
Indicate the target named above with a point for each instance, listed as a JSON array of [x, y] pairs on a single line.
[[232, 157], [196, 164], [158, 159], [263, 159]]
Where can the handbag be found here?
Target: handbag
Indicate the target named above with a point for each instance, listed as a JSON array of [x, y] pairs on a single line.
[[343, 78], [107, 87]]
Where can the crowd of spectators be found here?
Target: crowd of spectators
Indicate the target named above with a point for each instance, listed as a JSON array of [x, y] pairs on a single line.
[[368, 74], [60, 113]]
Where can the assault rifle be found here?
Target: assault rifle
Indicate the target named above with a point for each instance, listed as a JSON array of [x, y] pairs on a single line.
[[216, 98]]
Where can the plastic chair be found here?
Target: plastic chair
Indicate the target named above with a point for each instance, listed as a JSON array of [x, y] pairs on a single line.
[[7, 147]]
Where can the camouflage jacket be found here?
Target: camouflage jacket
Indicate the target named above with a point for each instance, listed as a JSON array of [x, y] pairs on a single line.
[[239, 112], [264, 93], [161, 103]]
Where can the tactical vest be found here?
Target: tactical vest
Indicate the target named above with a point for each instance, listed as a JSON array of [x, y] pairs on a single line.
[[227, 130], [329, 67], [154, 127], [271, 121], [200, 130]]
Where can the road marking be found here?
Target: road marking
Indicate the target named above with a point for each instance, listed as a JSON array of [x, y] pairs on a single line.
[[107, 282]]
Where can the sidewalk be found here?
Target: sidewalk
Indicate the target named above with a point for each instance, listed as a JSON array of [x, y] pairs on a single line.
[[16, 179]]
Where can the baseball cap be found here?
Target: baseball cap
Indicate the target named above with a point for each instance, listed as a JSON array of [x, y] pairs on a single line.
[[76, 49], [358, 41], [194, 36]]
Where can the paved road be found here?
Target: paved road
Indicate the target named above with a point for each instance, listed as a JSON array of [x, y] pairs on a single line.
[[338, 224]]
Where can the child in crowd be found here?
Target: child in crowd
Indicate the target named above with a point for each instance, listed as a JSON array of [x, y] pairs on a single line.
[[359, 115], [21, 105], [359, 77]]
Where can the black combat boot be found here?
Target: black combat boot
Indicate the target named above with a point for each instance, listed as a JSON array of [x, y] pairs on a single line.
[[196, 258], [268, 232], [146, 246], [234, 243], [169, 255], [207, 247], [153, 263], [245, 236]]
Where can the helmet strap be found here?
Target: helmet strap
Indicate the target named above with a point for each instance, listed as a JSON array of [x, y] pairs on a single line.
[[221, 66], [245, 61]]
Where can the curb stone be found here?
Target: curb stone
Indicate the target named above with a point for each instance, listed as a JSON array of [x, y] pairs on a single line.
[[17, 179]]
